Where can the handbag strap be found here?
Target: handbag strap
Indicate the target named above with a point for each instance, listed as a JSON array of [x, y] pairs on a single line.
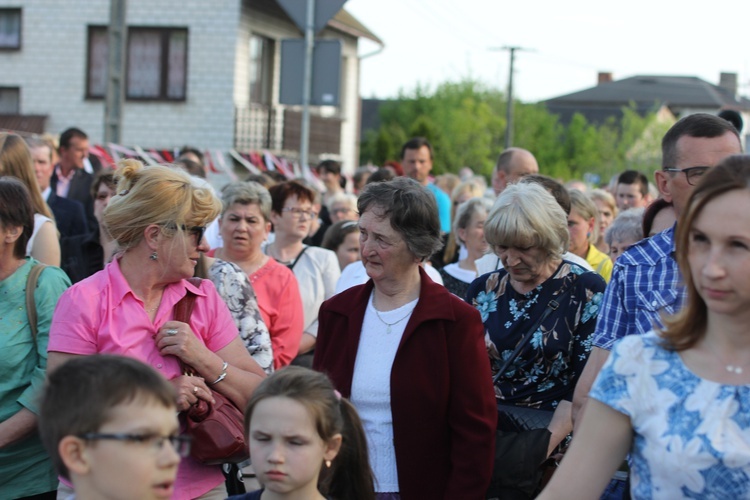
[[182, 312], [291, 266], [31, 283], [553, 305]]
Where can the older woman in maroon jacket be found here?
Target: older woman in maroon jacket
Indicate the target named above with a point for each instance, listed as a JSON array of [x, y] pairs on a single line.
[[411, 356]]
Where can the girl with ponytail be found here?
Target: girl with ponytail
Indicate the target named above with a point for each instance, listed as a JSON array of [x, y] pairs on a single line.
[[305, 440]]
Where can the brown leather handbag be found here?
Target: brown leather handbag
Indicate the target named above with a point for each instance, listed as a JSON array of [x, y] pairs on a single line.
[[217, 429]]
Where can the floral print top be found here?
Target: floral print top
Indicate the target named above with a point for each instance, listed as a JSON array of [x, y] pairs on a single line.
[[548, 366], [691, 436], [235, 289]]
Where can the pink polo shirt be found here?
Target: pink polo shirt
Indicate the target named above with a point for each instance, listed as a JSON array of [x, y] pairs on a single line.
[[101, 314]]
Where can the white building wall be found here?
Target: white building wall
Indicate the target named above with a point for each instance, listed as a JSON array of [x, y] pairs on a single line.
[[50, 68]]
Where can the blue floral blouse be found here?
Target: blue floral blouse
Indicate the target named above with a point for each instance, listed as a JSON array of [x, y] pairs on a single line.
[[691, 436], [548, 366]]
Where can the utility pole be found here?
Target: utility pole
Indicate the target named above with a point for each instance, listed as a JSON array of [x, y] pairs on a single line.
[[307, 83], [113, 105], [509, 111]]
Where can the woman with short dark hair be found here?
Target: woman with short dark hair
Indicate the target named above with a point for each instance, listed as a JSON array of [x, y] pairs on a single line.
[[410, 355], [315, 268], [25, 467]]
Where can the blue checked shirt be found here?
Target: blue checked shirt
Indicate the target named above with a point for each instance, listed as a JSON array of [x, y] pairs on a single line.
[[646, 283]]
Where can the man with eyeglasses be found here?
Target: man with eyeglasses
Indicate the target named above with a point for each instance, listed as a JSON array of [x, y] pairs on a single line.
[[646, 281]]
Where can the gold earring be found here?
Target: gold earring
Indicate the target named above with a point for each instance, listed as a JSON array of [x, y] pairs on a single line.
[[328, 464]]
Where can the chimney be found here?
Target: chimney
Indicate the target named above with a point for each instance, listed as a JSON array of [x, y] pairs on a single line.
[[604, 77], [728, 81]]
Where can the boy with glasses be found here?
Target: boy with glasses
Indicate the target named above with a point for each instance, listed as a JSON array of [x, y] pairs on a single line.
[[110, 425]]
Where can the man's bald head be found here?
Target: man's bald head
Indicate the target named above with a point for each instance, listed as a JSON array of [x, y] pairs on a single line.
[[513, 164]]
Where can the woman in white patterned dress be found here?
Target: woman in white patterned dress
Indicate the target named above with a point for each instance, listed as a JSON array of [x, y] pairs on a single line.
[[679, 400]]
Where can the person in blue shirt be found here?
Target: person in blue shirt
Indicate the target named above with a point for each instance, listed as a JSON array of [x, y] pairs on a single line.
[[677, 397], [646, 280], [416, 159]]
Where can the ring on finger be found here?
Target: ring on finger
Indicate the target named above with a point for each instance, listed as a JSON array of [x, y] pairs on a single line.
[[195, 390], [171, 331]]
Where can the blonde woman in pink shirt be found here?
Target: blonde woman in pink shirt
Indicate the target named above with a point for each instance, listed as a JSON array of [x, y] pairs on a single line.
[[158, 218]]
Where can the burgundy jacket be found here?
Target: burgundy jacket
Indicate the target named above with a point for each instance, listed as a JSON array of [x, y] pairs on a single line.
[[442, 398]]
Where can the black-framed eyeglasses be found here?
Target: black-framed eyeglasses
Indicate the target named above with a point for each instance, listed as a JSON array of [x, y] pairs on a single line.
[[692, 174], [297, 212], [155, 442], [197, 231]]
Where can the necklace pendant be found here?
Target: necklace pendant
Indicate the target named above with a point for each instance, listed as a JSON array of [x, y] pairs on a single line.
[[737, 370], [388, 330]]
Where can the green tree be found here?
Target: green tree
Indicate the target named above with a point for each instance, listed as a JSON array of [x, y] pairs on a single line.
[[465, 122]]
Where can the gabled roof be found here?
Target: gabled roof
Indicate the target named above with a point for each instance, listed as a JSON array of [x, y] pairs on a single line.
[[648, 93], [343, 21]]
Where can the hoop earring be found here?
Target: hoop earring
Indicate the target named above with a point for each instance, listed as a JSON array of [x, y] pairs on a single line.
[[154, 256]]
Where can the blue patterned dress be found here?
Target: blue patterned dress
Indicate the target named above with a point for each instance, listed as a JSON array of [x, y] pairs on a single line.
[[691, 436], [548, 367]]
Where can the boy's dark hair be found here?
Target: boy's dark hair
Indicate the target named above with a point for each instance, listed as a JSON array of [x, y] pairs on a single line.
[[80, 395], [634, 177]]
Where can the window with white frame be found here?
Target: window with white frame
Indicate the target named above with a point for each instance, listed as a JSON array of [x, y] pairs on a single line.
[[155, 67], [10, 29]]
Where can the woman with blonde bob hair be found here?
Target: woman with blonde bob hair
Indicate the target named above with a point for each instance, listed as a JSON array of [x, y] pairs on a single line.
[[678, 399], [158, 218], [16, 161], [539, 313]]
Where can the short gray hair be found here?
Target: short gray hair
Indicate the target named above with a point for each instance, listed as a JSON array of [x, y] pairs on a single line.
[[247, 193], [466, 211], [347, 198], [526, 215], [628, 226], [410, 208]]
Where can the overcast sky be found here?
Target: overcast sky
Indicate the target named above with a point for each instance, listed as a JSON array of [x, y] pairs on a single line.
[[565, 44]]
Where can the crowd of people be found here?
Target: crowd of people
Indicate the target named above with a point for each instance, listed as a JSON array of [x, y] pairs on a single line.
[[451, 337]]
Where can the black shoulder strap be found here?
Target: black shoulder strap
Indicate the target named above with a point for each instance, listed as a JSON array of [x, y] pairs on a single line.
[[551, 306], [291, 266]]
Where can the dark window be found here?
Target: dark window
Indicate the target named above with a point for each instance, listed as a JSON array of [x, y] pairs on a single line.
[[96, 77], [10, 29], [155, 68], [10, 101], [261, 69]]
